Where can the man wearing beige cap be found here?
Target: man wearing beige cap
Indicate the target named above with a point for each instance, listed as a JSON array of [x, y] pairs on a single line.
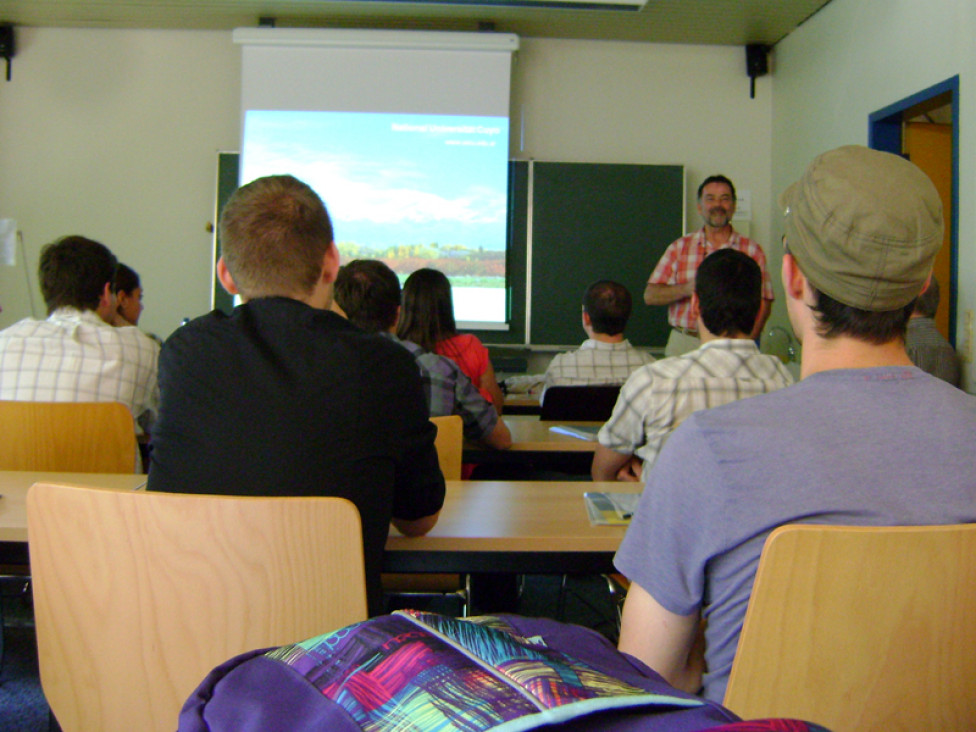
[[857, 441]]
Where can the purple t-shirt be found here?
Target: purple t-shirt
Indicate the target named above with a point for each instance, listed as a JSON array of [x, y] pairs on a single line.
[[873, 447]]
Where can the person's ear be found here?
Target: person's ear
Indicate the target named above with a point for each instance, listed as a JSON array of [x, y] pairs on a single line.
[[793, 279], [925, 287], [330, 263], [695, 307], [223, 274]]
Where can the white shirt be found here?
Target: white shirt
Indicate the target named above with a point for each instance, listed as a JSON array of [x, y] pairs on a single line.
[[74, 356], [595, 363]]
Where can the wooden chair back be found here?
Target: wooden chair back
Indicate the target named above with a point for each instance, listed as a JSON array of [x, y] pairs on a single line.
[[139, 595], [579, 403], [449, 444], [861, 628], [76, 437]]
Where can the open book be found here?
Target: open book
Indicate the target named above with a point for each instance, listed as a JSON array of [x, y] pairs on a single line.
[[610, 509]]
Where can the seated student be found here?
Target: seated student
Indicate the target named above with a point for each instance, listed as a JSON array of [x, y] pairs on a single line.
[[864, 439], [283, 397], [726, 366], [427, 319], [926, 346], [128, 296], [368, 293], [605, 357], [75, 355]]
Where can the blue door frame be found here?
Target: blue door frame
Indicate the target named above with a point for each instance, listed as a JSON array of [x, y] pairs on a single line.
[[885, 133]]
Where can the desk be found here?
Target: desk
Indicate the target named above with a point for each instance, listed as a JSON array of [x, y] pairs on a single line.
[[522, 404], [13, 505], [524, 527], [535, 448]]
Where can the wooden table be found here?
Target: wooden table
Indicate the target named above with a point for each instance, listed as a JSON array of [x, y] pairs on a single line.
[[13, 504], [535, 527], [535, 448], [531, 434], [524, 527], [522, 404]]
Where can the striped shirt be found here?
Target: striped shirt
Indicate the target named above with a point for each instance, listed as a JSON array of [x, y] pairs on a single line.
[[930, 351], [596, 363], [660, 396], [449, 391], [74, 356], [680, 262]]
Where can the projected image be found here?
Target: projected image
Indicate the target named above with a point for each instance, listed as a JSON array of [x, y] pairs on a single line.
[[413, 190]]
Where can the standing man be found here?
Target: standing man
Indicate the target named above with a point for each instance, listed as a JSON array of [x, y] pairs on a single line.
[[75, 355], [672, 282], [283, 397], [864, 439]]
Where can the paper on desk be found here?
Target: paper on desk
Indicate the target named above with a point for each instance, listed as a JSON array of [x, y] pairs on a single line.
[[583, 432], [610, 509]]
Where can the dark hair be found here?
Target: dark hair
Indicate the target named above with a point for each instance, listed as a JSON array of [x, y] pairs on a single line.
[[716, 179], [608, 304], [836, 319], [126, 279], [927, 303], [274, 233], [73, 272], [428, 310], [369, 293], [729, 288]]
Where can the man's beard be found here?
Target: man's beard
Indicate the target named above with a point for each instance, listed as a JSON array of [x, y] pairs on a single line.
[[718, 220]]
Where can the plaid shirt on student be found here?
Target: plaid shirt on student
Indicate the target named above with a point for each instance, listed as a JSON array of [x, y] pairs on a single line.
[[680, 261], [74, 356], [660, 396], [595, 363], [450, 392]]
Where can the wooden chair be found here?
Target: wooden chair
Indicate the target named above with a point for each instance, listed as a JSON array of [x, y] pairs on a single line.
[[579, 403], [139, 595], [861, 628], [77, 437], [449, 444], [406, 587]]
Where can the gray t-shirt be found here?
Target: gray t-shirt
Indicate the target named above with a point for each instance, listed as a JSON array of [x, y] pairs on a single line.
[[880, 446]]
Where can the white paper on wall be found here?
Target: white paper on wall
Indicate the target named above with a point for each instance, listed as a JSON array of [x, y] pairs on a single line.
[[8, 242]]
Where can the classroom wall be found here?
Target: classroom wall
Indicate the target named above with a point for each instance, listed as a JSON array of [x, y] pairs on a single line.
[[114, 134], [855, 57]]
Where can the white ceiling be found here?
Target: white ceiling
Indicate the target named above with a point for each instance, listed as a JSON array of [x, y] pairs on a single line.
[[719, 22]]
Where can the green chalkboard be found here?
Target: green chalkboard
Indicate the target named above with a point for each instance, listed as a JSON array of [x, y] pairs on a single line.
[[569, 225], [228, 167], [599, 221]]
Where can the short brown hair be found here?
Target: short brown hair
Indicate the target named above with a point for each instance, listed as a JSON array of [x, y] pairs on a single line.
[[73, 272], [608, 304], [368, 292], [274, 233]]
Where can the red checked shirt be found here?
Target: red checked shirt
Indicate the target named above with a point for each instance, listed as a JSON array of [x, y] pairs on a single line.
[[680, 261]]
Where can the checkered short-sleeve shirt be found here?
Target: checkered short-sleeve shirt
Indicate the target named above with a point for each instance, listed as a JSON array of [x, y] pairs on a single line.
[[680, 261], [660, 396]]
